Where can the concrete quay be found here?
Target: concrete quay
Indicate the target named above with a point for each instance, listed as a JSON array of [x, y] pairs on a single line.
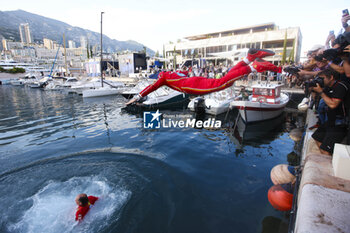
[[323, 199]]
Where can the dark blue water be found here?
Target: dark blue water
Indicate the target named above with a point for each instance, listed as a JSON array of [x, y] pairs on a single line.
[[54, 146]]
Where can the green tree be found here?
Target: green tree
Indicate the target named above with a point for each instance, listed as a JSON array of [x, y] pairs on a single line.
[[87, 51], [284, 55], [291, 55], [157, 54]]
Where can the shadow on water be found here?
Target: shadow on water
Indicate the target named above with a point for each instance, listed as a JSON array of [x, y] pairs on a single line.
[[271, 224]]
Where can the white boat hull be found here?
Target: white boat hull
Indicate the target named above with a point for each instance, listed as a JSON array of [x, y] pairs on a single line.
[[17, 83], [102, 91], [172, 98], [256, 111], [216, 103], [213, 107]]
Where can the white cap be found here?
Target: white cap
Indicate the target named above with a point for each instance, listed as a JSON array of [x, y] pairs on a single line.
[[316, 47]]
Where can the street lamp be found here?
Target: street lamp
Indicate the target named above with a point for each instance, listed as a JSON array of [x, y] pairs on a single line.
[[101, 52]]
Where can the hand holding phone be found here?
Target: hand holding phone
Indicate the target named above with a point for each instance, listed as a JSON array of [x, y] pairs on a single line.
[[345, 18]]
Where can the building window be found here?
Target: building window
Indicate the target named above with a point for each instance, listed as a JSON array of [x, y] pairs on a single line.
[[232, 47], [257, 45]]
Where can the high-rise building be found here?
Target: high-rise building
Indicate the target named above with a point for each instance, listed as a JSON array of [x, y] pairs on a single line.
[[25, 34], [71, 44], [48, 43], [83, 42], [4, 44]]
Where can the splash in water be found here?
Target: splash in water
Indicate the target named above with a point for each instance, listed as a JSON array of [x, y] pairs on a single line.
[[53, 208]]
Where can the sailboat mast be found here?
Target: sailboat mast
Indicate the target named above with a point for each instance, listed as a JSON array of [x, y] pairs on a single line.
[[65, 54], [101, 53]]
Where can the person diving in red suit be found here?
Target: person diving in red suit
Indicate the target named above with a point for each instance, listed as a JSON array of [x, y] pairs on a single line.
[[202, 86]]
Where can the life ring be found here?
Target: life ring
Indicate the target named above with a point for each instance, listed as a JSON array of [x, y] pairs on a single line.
[[262, 99]]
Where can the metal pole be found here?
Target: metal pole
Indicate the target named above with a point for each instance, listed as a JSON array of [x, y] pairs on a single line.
[[101, 53], [65, 54]]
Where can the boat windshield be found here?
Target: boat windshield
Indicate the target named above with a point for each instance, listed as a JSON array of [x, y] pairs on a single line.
[[262, 91]]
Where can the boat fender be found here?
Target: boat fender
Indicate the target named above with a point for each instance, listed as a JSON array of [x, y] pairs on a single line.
[[281, 196], [303, 107], [282, 174], [296, 134]]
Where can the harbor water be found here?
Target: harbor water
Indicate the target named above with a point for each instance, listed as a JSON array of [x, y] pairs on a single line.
[[54, 146]]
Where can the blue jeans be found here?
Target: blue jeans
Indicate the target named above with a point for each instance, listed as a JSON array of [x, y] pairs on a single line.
[[322, 111]]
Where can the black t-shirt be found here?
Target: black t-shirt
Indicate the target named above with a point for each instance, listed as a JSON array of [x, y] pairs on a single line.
[[337, 91], [345, 79]]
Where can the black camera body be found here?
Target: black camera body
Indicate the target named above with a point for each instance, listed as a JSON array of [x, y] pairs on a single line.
[[343, 40], [293, 70], [314, 82]]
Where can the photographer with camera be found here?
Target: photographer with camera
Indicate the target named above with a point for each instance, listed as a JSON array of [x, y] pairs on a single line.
[[335, 128], [338, 57]]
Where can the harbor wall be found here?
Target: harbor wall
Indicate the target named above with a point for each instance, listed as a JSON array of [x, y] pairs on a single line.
[[323, 199]]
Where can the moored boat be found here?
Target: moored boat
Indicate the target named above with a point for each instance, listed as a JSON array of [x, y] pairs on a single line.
[[265, 103], [214, 103]]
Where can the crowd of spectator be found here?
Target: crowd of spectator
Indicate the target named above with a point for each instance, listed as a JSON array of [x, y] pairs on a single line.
[[326, 79]]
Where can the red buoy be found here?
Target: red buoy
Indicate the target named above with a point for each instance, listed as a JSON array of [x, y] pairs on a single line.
[[281, 197]]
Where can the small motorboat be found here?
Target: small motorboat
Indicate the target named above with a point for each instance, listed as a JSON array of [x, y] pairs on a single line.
[[29, 79], [265, 103], [214, 103], [41, 83], [102, 91], [130, 92], [164, 97], [17, 82]]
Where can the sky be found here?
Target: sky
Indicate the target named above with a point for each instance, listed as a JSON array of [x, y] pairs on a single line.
[[156, 22]]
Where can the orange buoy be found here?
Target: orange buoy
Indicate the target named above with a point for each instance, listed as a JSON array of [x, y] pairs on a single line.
[[282, 174], [281, 196]]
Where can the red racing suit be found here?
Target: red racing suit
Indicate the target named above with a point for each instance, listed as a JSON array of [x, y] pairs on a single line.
[[82, 210], [197, 85]]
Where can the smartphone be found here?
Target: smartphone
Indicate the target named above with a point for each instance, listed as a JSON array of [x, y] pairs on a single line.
[[331, 32], [345, 12]]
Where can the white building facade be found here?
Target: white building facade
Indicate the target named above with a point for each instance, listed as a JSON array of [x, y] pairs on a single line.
[[209, 46]]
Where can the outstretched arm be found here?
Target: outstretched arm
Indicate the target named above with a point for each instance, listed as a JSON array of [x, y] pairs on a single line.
[[150, 88]]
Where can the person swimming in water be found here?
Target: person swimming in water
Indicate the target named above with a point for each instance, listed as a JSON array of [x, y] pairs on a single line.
[[84, 203]]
